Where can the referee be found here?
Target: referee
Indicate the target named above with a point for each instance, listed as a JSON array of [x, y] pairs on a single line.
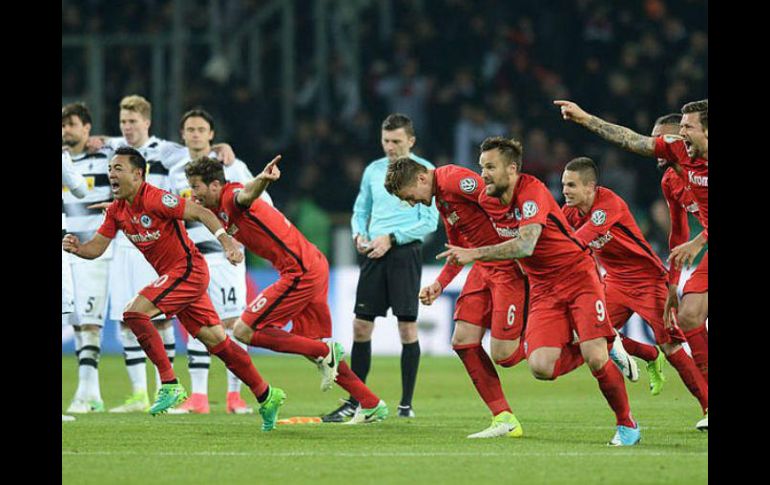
[[390, 234]]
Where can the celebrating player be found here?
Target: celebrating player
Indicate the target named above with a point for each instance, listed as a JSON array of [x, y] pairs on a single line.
[[150, 218], [636, 279], [566, 292], [300, 295], [495, 294]]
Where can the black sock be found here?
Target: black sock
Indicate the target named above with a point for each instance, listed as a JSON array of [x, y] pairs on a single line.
[[410, 362], [360, 362], [172, 381], [263, 397]]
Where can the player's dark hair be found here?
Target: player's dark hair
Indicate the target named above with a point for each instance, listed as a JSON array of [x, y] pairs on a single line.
[[197, 113], [511, 149], [402, 173], [701, 107], [208, 169], [586, 167], [76, 109], [395, 121], [134, 158], [669, 119]]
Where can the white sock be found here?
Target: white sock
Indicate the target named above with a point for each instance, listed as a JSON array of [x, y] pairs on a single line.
[[136, 360], [89, 364], [233, 383], [80, 392], [199, 361], [169, 343]]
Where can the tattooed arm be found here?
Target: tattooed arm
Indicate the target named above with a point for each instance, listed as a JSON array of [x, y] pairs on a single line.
[[519, 247], [619, 135]]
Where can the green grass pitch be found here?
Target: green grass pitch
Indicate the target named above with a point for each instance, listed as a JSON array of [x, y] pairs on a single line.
[[566, 425]]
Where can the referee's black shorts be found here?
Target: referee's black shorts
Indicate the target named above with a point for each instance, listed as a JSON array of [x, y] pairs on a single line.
[[392, 281]]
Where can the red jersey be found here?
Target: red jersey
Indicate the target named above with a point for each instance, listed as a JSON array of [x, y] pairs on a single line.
[[457, 190], [153, 223], [558, 251], [266, 232], [680, 201], [610, 230], [695, 172]]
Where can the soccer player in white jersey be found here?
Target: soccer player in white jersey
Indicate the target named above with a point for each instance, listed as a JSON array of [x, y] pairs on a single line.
[[89, 277], [227, 288], [75, 184]]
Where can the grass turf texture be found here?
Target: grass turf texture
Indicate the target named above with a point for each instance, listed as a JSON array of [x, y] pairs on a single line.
[[566, 425]]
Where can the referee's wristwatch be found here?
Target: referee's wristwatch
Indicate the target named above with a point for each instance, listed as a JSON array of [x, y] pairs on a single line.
[[392, 239]]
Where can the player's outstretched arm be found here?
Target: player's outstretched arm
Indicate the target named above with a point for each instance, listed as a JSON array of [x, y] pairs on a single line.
[[625, 138], [90, 250], [519, 247], [253, 189], [198, 213]]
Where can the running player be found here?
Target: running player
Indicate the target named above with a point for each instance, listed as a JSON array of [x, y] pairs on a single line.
[[150, 218], [89, 277], [300, 295], [495, 294], [636, 279], [227, 288], [566, 290], [690, 152]]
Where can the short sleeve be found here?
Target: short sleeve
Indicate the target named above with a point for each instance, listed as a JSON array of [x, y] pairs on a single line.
[[535, 205], [669, 147], [166, 205], [109, 226], [465, 184]]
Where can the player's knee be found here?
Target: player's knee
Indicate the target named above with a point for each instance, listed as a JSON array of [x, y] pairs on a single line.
[[408, 332], [690, 317], [242, 332], [595, 361], [541, 369], [362, 331]]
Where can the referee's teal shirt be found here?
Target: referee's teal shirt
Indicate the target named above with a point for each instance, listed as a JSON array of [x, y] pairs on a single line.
[[378, 213]]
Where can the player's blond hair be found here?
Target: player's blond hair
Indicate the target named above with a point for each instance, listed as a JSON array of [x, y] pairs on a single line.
[[137, 104]]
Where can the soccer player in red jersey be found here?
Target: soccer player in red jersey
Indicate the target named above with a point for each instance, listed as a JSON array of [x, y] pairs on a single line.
[[300, 294], [636, 279], [690, 152], [152, 220], [495, 295], [566, 289]]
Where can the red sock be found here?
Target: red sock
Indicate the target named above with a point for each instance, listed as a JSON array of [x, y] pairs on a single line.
[[347, 380], [698, 340], [517, 356], [484, 377], [151, 343], [569, 360], [614, 389], [644, 351], [239, 363], [691, 377], [279, 340]]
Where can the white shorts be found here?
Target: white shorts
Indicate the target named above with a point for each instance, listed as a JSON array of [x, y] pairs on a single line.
[[90, 278], [227, 287], [129, 273], [67, 292]]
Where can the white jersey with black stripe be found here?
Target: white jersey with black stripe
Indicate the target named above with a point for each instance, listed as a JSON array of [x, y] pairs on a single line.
[[71, 183], [200, 235], [93, 167], [161, 156]]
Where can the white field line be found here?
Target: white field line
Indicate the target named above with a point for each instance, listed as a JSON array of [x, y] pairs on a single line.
[[629, 453]]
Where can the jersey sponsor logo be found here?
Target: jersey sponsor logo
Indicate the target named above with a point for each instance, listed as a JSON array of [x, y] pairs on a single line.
[[692, 208], [468, 185], [529, 209], [170, 200], [700, 180], [507, 232], [146, 237], [598, 217], [145, 221], [452, 218], [601, 241]]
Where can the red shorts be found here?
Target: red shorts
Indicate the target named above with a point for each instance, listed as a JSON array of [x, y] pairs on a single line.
[[301, 299], [495, 298], [699, 279], [576, 303], [185, 296], [646, 300]]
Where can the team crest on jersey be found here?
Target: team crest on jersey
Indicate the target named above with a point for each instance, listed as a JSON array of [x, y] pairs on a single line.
[[529, 209], [468, 185], [170, 200], [598, 217], [145, 221], [223, 216]]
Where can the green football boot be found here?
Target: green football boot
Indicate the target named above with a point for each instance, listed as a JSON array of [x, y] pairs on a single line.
[[269, 409], [504, 424], [655, 373], [377, 413], [169, 396]]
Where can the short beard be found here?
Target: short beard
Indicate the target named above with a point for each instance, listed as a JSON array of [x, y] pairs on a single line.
[[497, 192], [70, 143]]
